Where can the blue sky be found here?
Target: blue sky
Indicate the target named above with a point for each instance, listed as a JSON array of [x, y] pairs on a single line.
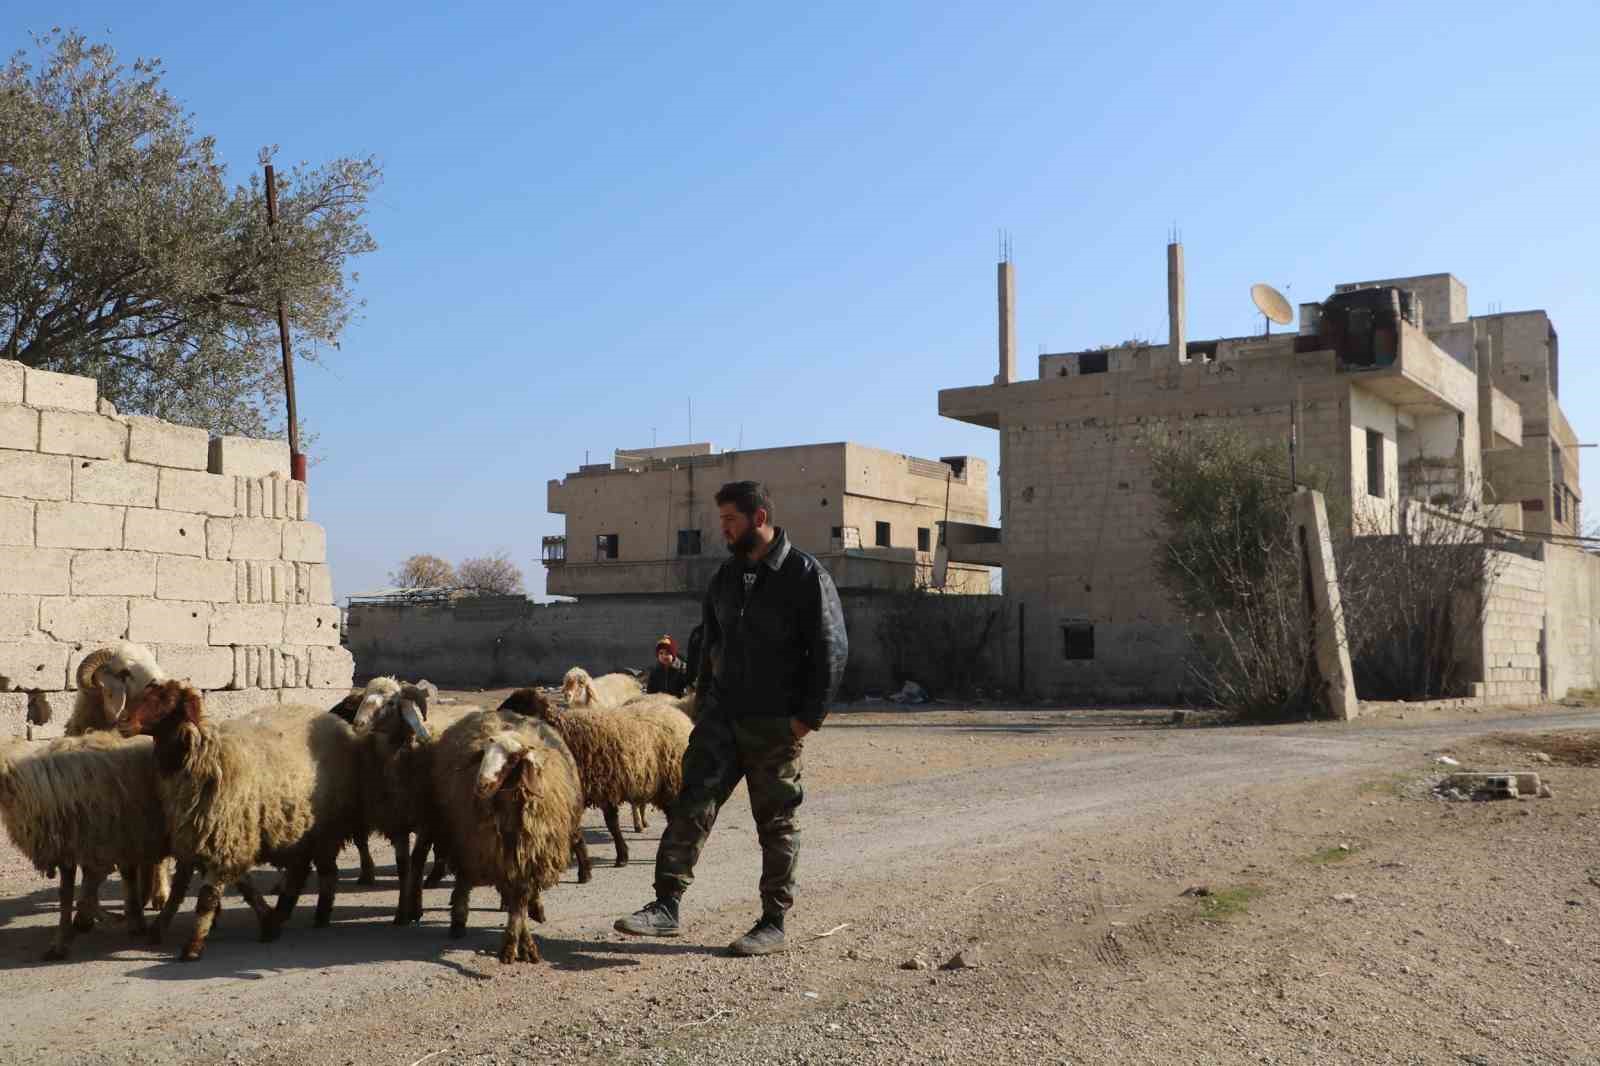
[[591, 212]]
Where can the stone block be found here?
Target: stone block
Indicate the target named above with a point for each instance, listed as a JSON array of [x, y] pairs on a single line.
[[248, 457], [83, 618], [41, 571], [25, 664], [247, 623], [201, 665], [197, 491], [15, 719], [19, 617], [316, 581], [11, 376], [312, 624], [113, 481], [331, 668], [44, 388], [113, 573], [257, 538], [80, 433], [219, 538], [223, 706], [78, 525], [35, 476], [168, 532], [159, 443], [301, 504], [16, 524], [305, 542], [19, 427], [169, 622], [182, 578], [265, 581]]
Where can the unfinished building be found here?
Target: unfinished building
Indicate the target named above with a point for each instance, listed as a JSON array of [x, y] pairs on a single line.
[[1389, 388]]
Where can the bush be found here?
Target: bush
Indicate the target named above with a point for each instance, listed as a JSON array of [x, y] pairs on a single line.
[[939, 640]]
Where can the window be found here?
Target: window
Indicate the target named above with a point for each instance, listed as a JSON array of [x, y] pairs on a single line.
[[924, 539], [1375, 463], [688, 542], [1559, 502], [1077, 640], [883, 534], [837, 533], [1094, 362], [606, 546]]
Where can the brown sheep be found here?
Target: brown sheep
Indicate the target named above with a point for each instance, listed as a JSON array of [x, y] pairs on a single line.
[[282, 788], [624, 755], [507, 796]]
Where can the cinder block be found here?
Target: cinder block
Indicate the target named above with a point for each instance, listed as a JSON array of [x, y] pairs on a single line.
[[331, 668], [86, 618], [19, 427], [113, 573], [280, 497], [11, 375], [80, 433], [113, 481], [169, 622], [43, 388], [312, 624], [14, 717], [16, 525], [35, 476], [224, 706], [248, 457], [302, 503], [168, 532], [41, 571], [305, 542], [78, 525], [201, 665], [247, 623], [219, 538], [257, 538], [181, 578], [316, 580], [197, 491], [159, 443], [34, 665], [19, 617]]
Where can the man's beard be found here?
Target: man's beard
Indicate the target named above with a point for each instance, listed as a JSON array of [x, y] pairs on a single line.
[[745, 543]]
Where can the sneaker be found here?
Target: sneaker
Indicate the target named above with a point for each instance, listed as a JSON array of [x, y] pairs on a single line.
[[765, 937], [656, 918]]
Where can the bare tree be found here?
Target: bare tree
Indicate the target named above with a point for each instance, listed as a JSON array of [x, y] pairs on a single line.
[[424, 571], [490, 575]]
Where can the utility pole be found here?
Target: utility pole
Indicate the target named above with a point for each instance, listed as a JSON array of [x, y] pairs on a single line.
[[297, 460]]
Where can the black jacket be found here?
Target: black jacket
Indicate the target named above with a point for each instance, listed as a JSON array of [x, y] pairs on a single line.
[[669, 679], [779, 650]]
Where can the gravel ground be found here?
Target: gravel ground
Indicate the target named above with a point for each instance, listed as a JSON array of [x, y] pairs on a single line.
[[1348, 916]]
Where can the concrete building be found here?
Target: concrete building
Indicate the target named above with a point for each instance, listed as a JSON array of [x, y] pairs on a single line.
[[1390, 387], [646, 524]]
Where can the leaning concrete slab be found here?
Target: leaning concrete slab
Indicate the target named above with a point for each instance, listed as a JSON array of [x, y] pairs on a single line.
[[1333, 650]]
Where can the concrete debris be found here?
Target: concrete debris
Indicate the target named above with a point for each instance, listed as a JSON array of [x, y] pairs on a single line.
[[966, 959], [1497, 785], [1445, 760], [910, 692], [916, 962], [1540, 757]]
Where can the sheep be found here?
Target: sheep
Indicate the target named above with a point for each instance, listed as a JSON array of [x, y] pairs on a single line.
[[107, 679], [92, 802], [363, 702], [610, 690], [624, 755], [506, 794], [283, 788]]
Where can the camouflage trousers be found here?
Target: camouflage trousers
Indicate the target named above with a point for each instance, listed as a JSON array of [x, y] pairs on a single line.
[[764, 752]]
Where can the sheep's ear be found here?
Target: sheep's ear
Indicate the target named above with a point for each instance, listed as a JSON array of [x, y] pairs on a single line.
[[189, 704]]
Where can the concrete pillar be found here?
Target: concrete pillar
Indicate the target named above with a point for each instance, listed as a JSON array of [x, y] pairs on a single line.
[[1177, 342], [1006, 284], [1322, 583]]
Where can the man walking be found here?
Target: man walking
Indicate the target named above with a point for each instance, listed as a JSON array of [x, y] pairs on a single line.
[[773, 653]]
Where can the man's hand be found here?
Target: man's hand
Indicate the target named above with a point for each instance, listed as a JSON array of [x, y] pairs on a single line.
[[799, 727]]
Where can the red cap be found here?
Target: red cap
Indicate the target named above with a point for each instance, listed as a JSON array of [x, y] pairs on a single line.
[[668, 643]]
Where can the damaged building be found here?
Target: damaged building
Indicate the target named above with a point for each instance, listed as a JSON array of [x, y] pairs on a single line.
[[1389, 389]]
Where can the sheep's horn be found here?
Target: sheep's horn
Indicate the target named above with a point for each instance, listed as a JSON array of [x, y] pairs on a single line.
[[91, 665], [408, 712], [416, 694]]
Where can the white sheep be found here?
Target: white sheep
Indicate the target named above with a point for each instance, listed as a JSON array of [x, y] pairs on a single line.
[[608, 690], [107, 679]]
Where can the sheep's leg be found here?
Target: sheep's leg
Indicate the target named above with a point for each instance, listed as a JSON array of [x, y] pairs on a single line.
[[63, 938], [615, 828], [269, 926], [460, 897], [402, 856], [89, 915], [327, 888], [536, 907], [640, 821], [135, 885], [369, 872], [512, 945], [181, 877], [580, 852], [158, 884], [410, 908], [206, 906], [294, 882], [441, 867]]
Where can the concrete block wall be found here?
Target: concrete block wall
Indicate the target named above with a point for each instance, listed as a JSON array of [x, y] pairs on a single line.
[[130, 528], [1514, 619]]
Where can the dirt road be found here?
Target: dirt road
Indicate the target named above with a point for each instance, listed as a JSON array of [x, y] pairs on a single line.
[[1053, 843]]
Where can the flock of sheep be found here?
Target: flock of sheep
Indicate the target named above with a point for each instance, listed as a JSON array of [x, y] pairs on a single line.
[[146, 784]]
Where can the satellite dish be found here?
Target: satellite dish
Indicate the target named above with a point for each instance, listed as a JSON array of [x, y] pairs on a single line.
[[1270, 302]]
